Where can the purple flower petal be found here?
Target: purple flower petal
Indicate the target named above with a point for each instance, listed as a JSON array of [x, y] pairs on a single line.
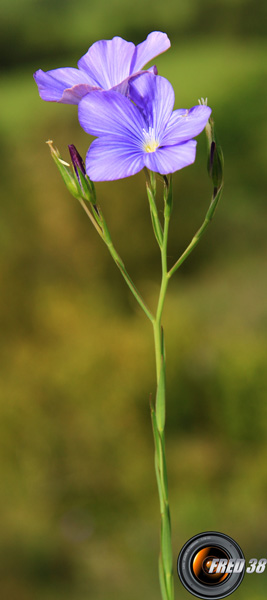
[[154, 95], [185, 124], [102, 113], [67, 85], [155, 43], [108, 62], [76, 160], [110, 158], [123, 87], [171, 158]]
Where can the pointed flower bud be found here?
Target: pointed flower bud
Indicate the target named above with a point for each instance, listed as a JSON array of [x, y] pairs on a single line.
[[215, 159], [77, 160], [75, 178], [215, 155], [84, 183]]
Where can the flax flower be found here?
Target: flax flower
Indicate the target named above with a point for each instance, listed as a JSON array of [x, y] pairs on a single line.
[[141, 132], [108, 64]]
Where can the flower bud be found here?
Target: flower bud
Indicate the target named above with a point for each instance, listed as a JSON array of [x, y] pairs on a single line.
[[65, 171], [77, 160], [215, 155], [84, 183]]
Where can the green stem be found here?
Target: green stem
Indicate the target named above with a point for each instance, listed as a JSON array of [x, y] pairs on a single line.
[[116, 257], [158, 424], [151, 194], [91, 216], [157, 411], [198, 235], [101, 227]]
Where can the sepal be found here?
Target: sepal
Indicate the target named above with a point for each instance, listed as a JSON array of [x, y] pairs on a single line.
[[65, 171], [83, 181], [168, 202], [74, 176], [215, 155]]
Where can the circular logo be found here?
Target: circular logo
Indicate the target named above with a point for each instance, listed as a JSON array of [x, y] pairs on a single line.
[[211, 565]]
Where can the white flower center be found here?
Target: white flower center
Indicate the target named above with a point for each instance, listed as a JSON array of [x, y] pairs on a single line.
[[150, 143]]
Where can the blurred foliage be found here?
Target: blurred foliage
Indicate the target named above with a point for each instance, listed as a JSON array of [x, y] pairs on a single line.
[[67, 27], [78, 501]]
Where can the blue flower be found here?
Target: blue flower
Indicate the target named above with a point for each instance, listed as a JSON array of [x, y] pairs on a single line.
[[108, 64], [141, 132]]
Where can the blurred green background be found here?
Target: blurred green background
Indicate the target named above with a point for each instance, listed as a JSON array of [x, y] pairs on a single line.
[[78, 501]]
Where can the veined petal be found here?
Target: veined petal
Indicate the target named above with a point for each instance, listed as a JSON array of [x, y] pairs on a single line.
[[104, 113], [154, 96], [107, 62], [110, 158], [185, 124], [171, 158], [156, 43], [67, 85]]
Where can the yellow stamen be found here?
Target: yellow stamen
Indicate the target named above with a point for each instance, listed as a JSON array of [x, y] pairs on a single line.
[[151, 146], [150, 142]]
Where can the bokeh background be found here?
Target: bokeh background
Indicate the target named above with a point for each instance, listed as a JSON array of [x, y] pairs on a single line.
[[78, 502]]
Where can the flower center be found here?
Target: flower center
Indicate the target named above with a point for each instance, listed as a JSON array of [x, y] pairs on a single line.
[[150, 143]]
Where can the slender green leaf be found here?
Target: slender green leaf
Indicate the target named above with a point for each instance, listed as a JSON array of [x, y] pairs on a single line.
[[156, 434], [164, 468], [159, 484], [158, 459], [170, 585], [87, 187], [162, 580], [154, 216], [160, 399], [166, 545], [156, 229]]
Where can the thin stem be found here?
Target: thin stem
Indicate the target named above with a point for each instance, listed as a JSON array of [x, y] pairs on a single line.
[[116, 257], [151, 194], [157, 411], [158, 421], [198, 235], [164, 268], [102, 229], [91, 217], [162, 294]]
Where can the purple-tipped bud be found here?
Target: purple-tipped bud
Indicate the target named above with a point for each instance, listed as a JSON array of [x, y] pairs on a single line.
[[65, 171], [211, 157], [84, 183], [77, 160], [215, 155]]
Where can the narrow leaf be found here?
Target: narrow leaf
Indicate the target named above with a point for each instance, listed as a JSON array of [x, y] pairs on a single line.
[[156, 229], [166, 543], [154, 216], [156, 434], [162, 580], [160, 399]]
